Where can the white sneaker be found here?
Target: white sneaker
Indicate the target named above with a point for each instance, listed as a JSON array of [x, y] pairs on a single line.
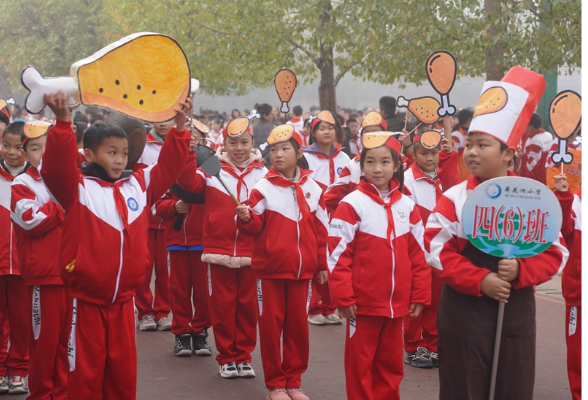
[[147, 323], [245, 370], [333, 319], [317, 319], [164, 324], [228, 371], [3, 384], [17, 385]]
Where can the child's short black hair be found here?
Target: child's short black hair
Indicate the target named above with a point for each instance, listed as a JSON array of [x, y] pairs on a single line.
[[388, 104], [297, 110], [16, 128], [536, 121], [95, 135], [264, 109], [503, 145], [81, 127], [399, 174]]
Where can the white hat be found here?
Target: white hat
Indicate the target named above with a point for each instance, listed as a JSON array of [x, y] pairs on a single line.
[[505, 108]]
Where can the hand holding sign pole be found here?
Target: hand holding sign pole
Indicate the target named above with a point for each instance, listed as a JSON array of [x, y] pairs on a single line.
[[510, 217], [285, 83], [565, 117]]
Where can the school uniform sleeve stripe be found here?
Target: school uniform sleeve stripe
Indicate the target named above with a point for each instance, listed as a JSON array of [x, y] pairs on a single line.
[[542, 267], [257, 205], [28, 213]]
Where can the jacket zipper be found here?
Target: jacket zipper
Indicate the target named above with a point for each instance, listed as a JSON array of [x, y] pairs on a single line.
[[392, 291], [122, 238], [10, 252], [298, 235], [184, 226]]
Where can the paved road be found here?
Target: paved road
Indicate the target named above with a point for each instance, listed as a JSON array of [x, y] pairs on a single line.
[[163, 376]]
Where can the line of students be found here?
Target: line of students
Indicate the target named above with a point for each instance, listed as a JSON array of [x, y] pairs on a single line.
[[281, 237]]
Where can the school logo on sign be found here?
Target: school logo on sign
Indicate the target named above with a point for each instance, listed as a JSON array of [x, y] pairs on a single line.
[[493, 191], [132, 203]]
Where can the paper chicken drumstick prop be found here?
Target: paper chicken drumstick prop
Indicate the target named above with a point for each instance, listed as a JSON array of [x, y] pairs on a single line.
[[565, 117], [423, 108], [285, 82], [441, 70], [144, 75]]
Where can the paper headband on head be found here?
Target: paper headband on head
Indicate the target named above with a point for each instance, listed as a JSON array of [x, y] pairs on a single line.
[[373, 140], [505, 108], [324, 116], [4, 107], [282, 133], [237, 128], [373, 118], [429, 139], [35, 129], [200, 126]]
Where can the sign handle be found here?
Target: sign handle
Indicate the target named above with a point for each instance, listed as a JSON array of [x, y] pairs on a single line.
[[497, 340]]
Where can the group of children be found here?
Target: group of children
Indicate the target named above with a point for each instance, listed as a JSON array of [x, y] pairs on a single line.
[[264, 245]]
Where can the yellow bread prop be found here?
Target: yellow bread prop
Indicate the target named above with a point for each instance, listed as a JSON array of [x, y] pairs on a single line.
[[280, 133], [372, 118], [35, 129], [441, 69], [237, 127], [200, 126], [430, 139], [285, 83], [376, 139], [492, 100], [144, 75], [423, 108], [565, 114], [324, 116]]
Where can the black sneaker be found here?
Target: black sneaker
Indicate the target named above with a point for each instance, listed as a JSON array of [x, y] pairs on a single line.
[[200, 343], [421, 358], [182, 347], [435, 359]]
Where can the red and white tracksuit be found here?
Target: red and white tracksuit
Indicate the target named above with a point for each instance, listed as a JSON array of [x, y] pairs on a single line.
[[148, 303], [187, 273], [232, 283], [289, 222], [572, 286], [103, 258], [38, 233], [534, 152], [325, 170], [14, 297], [424, 191], [365, 228]]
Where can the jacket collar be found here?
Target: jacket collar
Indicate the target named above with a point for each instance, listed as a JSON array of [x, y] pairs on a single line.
[[473, 181], [96, 171]]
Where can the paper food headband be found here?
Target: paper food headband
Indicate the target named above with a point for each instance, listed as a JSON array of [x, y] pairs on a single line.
[[239, 126], [565, 118], [441, 69], [429, 139], [374, 140], [4, 107], [144, 75], [373, 118], [285, 83], [324, 116], [425, 109], [35, 129], [282, 133], [200, 126]]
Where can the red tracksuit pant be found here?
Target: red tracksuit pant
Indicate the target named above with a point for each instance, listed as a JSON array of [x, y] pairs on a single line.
[[320, 300], [233, 313], [102, 352], [50, 313], [422, 331], [283, 313], [146, 303], [574, 345], [14, 307], [188, 292], [373, 358]]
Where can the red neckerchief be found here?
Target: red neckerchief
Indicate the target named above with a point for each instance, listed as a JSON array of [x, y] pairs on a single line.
[[228, 168], [394, 195], [579, 192], [277, 179], [419, 174], [331, 162], [119, 201]]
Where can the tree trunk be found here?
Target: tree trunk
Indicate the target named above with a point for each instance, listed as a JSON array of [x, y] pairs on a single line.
[[494, 54], [327, 95]]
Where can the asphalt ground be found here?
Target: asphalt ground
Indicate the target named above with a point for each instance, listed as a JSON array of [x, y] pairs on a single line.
[[163, 376]]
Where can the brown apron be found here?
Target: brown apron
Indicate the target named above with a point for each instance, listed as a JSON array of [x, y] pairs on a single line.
[[467, 327]]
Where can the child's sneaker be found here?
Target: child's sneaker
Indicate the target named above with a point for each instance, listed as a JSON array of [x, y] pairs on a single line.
[[296, 394], [245, 370], [277, 394], [435, 359], [200, 343], [147, 323], [3, 384], [317, 319], [182, 347], [164, 324], [419, 358], [228, 370], [333, 319], [17, 385]]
